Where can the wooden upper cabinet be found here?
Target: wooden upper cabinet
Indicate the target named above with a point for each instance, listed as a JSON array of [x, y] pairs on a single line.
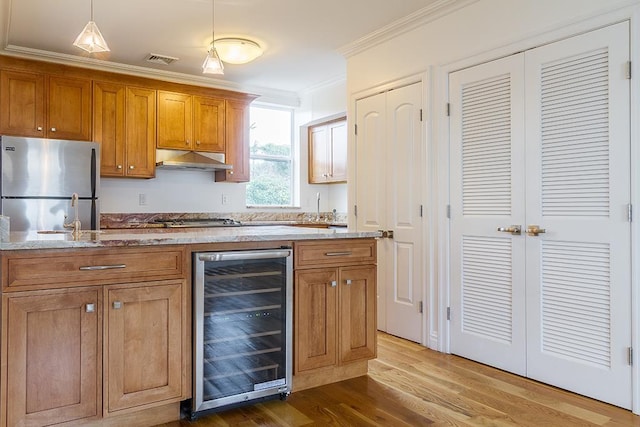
[[109, 127], [69, 108], [140, 125], [328, 152], [53, 367], [209, 124], [144, 343], [124, 125], [175, 121], [237, 142], [22, 104], [194, 123]]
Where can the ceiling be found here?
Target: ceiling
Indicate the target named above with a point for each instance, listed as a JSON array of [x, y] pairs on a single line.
[[302, 38]]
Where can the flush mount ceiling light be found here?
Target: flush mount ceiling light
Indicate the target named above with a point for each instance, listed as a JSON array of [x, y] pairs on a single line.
[[212, 63], [90, 39], [237, 50]]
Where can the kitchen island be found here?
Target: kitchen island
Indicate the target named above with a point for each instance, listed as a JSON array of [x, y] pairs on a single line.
[[96, 328]]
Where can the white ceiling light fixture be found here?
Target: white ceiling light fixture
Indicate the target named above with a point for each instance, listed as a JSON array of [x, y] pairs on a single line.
[[90, 39], [236, 50], [212, 63]]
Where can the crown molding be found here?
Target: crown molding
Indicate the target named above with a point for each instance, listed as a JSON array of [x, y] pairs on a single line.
[[324, 84], [435, 10], [265, 94]]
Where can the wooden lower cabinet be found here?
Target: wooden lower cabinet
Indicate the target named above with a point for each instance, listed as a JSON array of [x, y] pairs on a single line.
[[143, 344], [335, 316], [115, 351], [53, 357]]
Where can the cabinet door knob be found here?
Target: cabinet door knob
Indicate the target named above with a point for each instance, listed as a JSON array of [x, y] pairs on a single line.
[[186, 142], [334, 283], [131, 167], [119, 167], [117, 305], [230, 172], [90, 308], [53, 129], [197, 142], [348, 281], [39, 128]]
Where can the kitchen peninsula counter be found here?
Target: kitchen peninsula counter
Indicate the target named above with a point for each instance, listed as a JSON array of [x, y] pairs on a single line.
[[112, 310], [174, 236]]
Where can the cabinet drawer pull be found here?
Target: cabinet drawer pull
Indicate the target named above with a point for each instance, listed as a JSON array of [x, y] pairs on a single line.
[[90, 308], [102, 267], [117, 305], [337, 253]]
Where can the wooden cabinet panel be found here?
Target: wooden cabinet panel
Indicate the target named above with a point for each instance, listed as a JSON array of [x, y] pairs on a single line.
[[52, 355], [21, 271], [143, 338], [140, 132], [338, 151], [318, 160], [109, 127], [328, 152], [315, 319], [124, 125], [357, 296], [21, 104], [237, 142], [69, 108], [174, 121], [335, 253], [209, 124]]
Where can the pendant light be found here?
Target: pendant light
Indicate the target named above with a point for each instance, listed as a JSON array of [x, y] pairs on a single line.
[[90, 39], [212, 63]]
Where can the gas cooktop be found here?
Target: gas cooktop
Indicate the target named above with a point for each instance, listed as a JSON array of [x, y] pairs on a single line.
[[199, 223]]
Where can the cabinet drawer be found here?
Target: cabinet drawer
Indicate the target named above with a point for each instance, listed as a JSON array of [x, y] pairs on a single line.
[[76, 268], [338, 252]]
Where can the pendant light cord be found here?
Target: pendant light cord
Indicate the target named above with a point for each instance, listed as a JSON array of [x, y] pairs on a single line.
[[91, 10], [213, 22]]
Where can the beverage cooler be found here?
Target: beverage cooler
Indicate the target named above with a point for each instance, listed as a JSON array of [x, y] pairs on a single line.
[[242, 327]]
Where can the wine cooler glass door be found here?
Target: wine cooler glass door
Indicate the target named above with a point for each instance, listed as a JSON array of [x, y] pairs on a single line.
[[242, 333]]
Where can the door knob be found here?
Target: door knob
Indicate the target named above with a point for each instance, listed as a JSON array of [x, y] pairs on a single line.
[[516, 230], [534, 230]]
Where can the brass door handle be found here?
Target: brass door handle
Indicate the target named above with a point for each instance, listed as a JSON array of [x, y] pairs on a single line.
[[386, 234], [534, 230], [516, 230]]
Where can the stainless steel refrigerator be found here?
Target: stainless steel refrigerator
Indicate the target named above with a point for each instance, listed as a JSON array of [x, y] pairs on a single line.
[[39, 177]]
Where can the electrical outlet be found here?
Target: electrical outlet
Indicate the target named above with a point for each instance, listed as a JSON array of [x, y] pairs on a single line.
[[142, 199], [224, 199]]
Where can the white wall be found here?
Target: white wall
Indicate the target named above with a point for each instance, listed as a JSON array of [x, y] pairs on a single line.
[[195, 191]]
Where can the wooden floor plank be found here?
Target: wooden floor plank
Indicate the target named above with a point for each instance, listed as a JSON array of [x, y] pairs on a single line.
[[410, 385]]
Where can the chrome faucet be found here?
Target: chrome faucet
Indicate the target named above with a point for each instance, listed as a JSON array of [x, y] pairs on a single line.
[[75, 224], [318, 207]]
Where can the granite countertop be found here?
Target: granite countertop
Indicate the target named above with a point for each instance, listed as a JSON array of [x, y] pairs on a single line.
[[174, 236]]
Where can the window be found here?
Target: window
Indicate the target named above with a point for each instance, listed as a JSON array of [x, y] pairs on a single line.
[[271, 157]]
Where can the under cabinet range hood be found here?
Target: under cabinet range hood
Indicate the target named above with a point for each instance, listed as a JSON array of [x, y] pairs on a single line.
[[194, 161]]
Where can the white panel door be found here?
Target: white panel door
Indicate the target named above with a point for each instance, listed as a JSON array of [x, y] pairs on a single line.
[[578, 188], [389, 176], [371, 187], [487, 182]]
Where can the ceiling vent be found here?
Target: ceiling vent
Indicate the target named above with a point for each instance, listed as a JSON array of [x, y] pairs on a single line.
[[160, 59]]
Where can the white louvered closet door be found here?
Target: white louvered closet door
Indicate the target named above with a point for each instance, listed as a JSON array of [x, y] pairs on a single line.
[[487, 182], [578, 188]]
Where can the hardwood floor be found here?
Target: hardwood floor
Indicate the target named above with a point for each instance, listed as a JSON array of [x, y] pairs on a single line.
[[409, 385]]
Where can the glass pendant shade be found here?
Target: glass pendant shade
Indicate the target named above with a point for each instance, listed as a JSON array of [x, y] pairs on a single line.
[[91, 40], [238, 51], [212, 63]]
